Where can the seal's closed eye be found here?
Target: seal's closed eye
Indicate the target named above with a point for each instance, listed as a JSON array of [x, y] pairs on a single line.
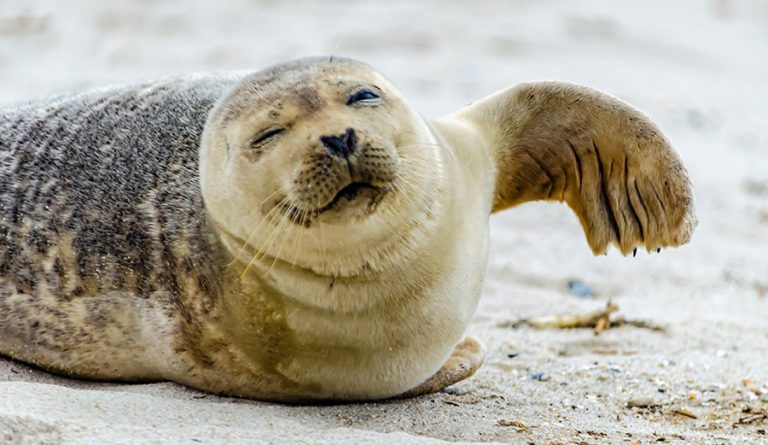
[[362, 95], [265, 136]]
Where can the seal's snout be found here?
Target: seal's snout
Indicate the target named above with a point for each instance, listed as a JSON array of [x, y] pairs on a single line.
[[341, 146]]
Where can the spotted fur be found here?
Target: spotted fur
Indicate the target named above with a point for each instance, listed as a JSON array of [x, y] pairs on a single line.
[[100, 214]]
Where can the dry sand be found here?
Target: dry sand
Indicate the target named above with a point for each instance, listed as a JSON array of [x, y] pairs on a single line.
[[698, 67]]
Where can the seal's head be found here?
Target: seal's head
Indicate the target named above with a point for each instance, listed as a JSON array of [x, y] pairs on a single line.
[[324, 153]]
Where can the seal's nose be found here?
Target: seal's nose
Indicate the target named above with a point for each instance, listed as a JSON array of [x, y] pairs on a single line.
[[341, 146]]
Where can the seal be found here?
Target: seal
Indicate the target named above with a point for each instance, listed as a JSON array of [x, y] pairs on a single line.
[[298, 233]]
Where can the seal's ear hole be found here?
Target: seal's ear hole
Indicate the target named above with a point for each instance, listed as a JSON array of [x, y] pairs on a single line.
[[265, 136], [364, 95]]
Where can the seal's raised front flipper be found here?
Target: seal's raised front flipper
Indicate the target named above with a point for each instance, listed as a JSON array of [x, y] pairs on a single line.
[[605, 159]]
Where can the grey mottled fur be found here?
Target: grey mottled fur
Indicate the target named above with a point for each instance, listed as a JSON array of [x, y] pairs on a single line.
[[115, 172]]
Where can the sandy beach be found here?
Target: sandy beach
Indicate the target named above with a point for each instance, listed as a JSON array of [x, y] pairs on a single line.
[[691, 366]]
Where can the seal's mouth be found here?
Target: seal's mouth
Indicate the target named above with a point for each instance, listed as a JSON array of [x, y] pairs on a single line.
[[363, 196], [350, 192]]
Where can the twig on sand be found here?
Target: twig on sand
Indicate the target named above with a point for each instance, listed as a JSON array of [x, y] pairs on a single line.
[[599, 320], [753, 416], [518, 425], [511, 422], [594, 319], [685, 412], [621, 321]]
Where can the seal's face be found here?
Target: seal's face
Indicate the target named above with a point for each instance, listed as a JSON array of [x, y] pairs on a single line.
[[327, 147]]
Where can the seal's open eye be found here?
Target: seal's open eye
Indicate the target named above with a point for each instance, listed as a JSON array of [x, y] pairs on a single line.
[[265, 136], [362, 96]]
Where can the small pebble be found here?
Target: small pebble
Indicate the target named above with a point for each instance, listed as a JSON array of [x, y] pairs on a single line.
[[541, 376], [511, 345], [514, 423], [460, 390], [580, 289], [641, 402]]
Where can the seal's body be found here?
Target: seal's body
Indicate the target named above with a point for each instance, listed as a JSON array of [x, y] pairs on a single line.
[[298, 233]]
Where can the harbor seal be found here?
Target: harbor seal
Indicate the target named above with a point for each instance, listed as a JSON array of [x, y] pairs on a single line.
[[298, 233]]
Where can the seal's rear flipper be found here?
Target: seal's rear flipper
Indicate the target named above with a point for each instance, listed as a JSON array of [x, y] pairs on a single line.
[[607, 160], [467, 357]]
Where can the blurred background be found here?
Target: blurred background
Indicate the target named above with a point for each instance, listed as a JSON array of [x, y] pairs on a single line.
[[441, 53]]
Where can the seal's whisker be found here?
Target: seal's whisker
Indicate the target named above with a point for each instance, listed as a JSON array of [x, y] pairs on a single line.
[[410, 198], [293, 229], [264, 246], [270, 196], [285, 222], [281, 222], [262, 224], [419, 169], [403, 196], [429, 145], [303, 211], [322, 238], [418, 145], [393, 219], [266, 218], [414, 183]]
